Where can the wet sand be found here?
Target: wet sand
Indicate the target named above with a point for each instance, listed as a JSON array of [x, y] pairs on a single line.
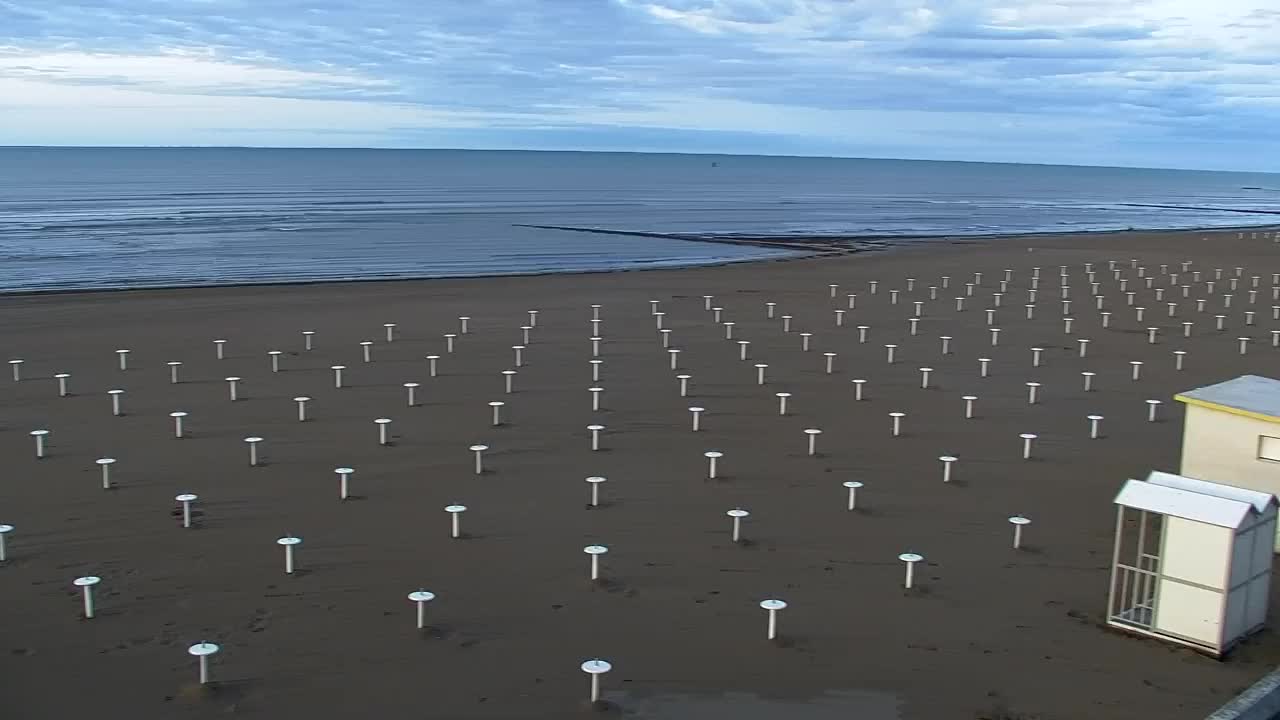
[[988, 632]]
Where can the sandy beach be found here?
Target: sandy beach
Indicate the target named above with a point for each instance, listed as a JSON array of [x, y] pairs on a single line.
[[988, 632]]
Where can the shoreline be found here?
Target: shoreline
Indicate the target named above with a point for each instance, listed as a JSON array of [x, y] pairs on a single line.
[[832, 242], [881, 244]]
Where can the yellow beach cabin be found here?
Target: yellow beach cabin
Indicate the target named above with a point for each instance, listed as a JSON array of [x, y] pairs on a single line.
[[1232, 434]]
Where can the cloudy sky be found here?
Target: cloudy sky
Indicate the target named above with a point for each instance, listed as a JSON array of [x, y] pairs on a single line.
[[1164, 83]]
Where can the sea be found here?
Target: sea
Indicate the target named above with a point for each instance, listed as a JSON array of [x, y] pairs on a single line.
[[107, 218]]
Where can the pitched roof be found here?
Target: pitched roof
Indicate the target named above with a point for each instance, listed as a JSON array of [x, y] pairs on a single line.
[[1250, 395], [1165, 500], [1259, 500]]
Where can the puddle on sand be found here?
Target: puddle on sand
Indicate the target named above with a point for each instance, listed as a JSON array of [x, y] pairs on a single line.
[[831, 705]]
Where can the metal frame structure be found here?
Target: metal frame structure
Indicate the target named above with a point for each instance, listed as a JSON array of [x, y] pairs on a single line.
[[1240, 579]]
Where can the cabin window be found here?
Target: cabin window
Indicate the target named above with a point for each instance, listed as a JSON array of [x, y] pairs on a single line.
[[1269, 448]]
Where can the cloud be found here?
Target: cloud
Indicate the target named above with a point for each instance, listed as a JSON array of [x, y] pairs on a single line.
[[175, 71], [1168, 82]]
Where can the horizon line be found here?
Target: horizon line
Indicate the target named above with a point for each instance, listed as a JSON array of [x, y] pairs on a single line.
[[689, 153]]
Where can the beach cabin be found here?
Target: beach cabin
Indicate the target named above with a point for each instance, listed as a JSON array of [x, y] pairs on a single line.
[[1192, 561], [1232, 434]]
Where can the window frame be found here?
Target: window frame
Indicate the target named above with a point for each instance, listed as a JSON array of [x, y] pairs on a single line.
[[1264, 458]]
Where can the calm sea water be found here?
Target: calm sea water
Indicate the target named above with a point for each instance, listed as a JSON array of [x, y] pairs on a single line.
[[107, 218]]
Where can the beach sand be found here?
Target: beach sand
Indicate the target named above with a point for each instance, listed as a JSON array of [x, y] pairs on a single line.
[[988, 632]]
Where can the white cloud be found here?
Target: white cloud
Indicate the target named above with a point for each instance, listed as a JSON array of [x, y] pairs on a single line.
[[1224, 26], [36, 111], [794, 18], [925, 78], [175, 70]]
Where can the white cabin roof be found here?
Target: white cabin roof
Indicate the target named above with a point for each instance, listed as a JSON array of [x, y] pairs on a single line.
[[1246, 395], [1259, 500], [1165, 500]]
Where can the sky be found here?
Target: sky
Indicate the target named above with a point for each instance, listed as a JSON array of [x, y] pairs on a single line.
[[1152, 83]]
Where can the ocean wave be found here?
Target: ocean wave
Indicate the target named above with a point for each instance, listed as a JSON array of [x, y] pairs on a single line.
[[312, 216]]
